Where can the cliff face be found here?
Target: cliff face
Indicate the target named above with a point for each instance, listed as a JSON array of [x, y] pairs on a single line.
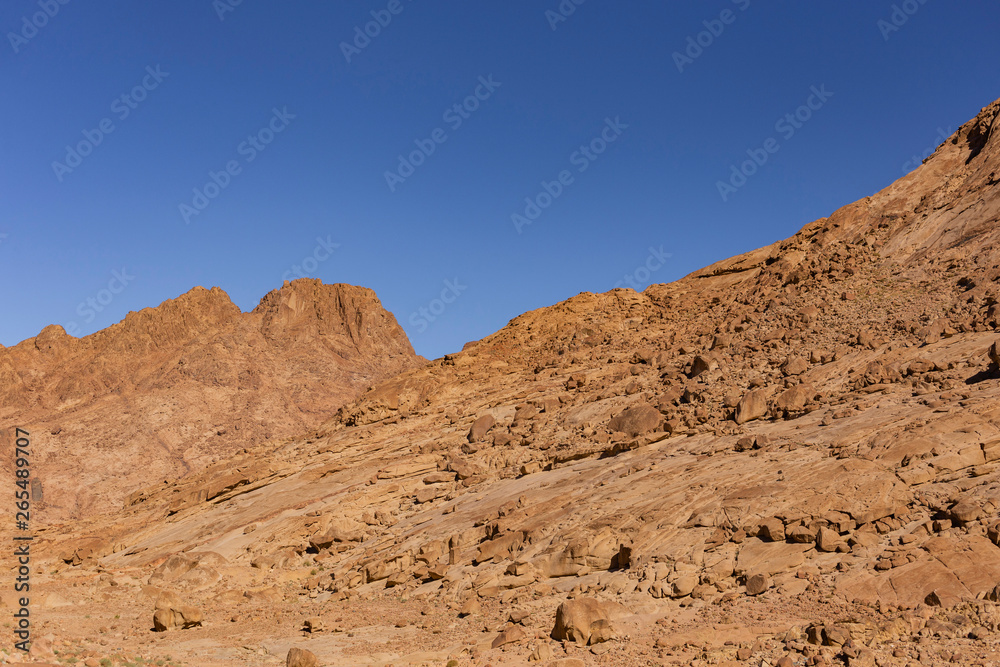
[[168, 389]]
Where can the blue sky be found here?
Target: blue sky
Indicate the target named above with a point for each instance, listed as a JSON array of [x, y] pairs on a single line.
[[202, 142]]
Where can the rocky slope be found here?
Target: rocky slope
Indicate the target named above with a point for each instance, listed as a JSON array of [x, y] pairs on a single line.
[[171, 389], [787, 458]]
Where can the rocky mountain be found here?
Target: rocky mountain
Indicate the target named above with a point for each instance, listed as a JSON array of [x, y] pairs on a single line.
[[790, 457], [171, 389]]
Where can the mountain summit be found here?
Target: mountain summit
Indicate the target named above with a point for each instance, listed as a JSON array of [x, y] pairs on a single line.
[[170, 389]]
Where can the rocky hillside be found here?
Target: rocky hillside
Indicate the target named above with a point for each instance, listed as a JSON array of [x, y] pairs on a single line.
[[171, 389], [790, 457]]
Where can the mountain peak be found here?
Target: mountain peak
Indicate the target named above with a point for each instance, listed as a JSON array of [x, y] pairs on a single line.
[[191, 379]]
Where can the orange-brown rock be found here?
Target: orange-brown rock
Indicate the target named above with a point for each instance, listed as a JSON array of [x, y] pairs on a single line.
[[863, 518], [173, 388]]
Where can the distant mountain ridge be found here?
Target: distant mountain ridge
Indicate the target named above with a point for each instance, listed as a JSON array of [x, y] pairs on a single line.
[[169, 388]]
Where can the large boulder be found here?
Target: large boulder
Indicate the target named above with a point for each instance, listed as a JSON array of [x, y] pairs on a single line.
[[636, 420], [752, 406], [171, 615], [794, 399], [300, 657], [481, 427], [173, 568], [586, 620]]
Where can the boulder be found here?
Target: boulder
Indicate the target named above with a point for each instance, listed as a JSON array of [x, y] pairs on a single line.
[[702, 364], [78, 551], [190, 570], [757, 584], [752, 406], [172, 569], [772, 530], [877, 373], [759, 557], [722, 341], [828, 540], [511, 635], [794, 399], [683, 585], [801, 535], [569, 562], [585, 620], [179, 617], [470, 607], [794, 365], [964, 512], [636, 420], [464, 469], [299, 657], [481, 427]]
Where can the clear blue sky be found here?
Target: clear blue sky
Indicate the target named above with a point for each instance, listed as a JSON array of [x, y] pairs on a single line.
[[211, 83]]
